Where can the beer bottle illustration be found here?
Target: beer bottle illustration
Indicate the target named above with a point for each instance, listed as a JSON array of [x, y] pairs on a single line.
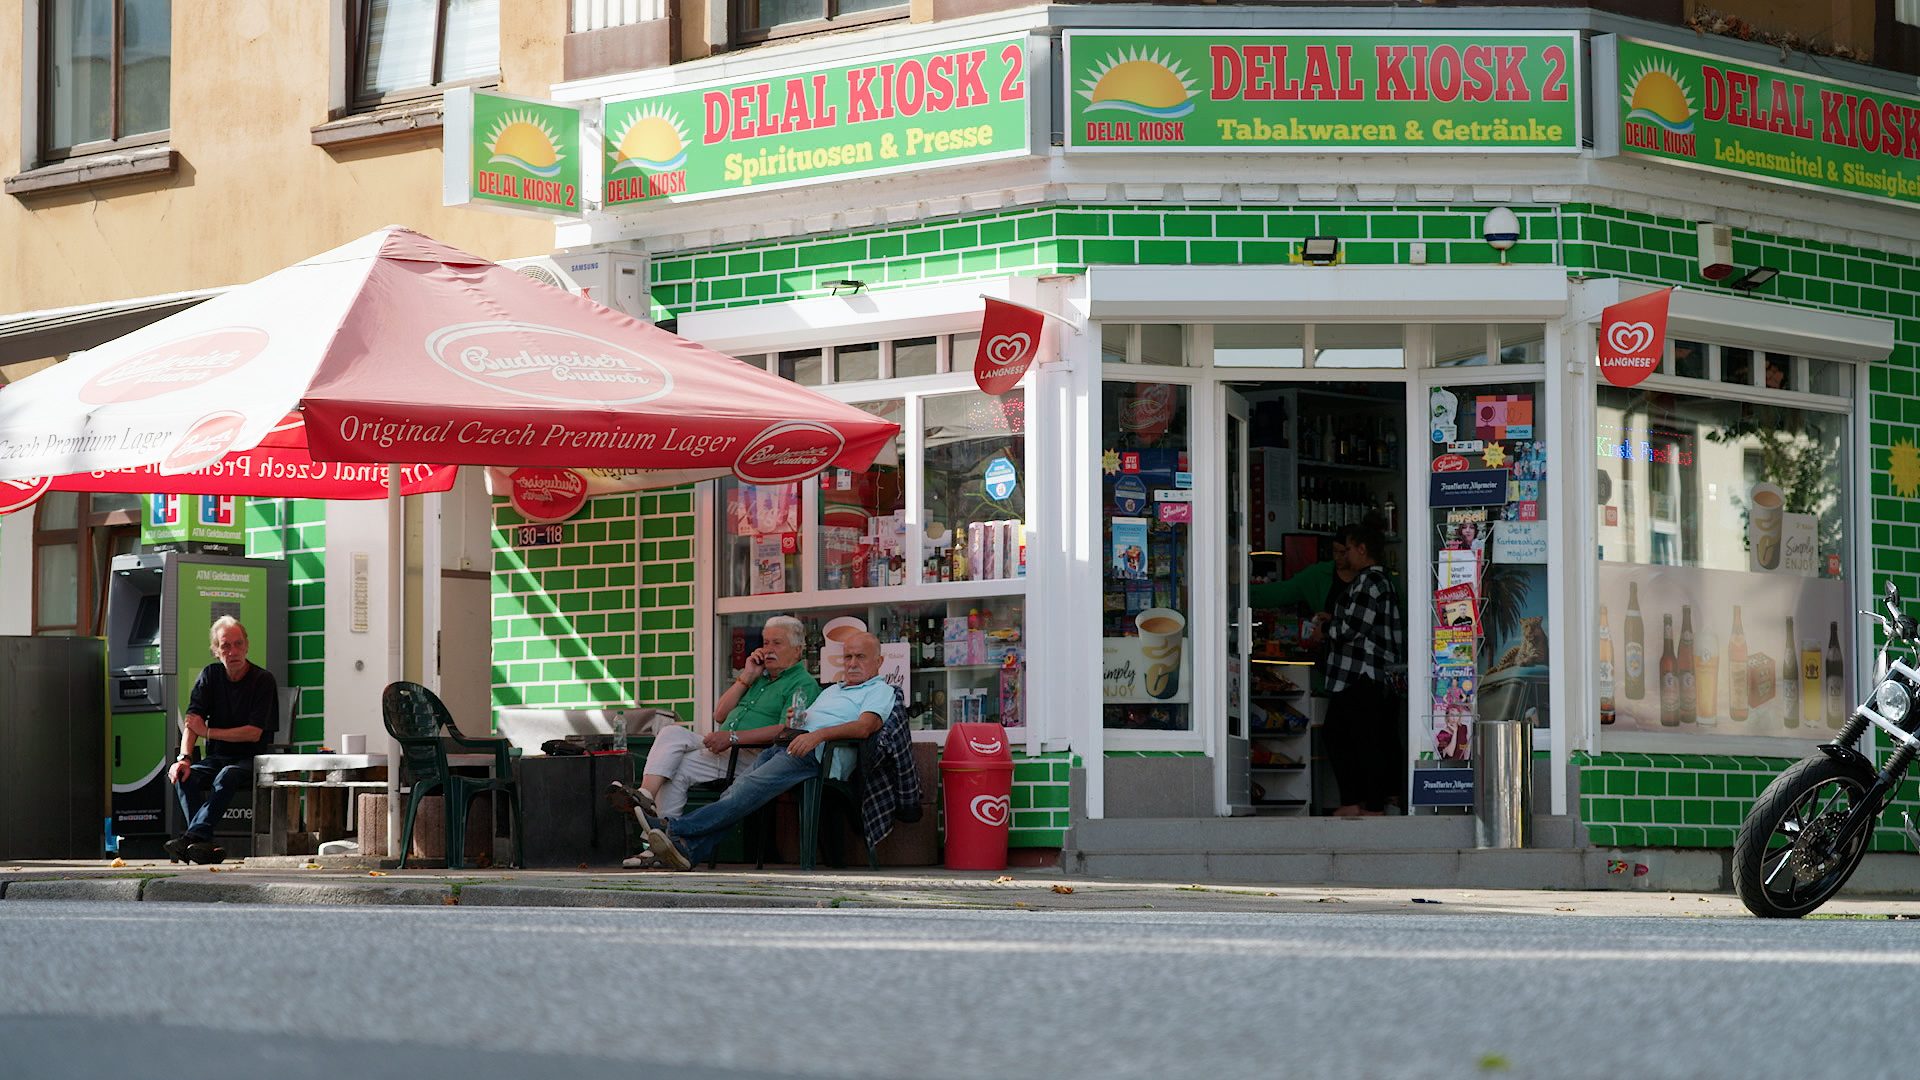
[[1789, 685], [1683, 664], [1737, 671], [1606, 669], [1836, 682], [1636, 658], [1669, 677]]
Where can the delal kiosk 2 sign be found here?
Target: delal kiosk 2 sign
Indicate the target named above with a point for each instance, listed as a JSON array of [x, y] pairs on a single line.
[[955, 105], [1291, 91], [511, 154]]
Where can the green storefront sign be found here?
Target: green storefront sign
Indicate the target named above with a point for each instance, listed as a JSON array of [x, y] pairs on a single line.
[[955, 105], [509, 153], [1706, 112], [1289, 92], [178, 519]]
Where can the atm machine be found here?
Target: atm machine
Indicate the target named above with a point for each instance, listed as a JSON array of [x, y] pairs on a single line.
[[159, 608]]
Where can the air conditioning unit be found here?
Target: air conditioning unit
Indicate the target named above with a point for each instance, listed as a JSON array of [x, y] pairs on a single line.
[[617, 279]]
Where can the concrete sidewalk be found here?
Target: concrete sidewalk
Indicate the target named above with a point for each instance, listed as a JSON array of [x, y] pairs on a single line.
[[295, 882]]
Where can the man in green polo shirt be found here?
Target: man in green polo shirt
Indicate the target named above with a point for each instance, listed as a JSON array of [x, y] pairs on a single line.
[[750, 713]]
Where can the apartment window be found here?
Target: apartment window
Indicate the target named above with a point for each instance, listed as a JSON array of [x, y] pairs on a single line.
[[407, 48], [106, 73], [770, 18]]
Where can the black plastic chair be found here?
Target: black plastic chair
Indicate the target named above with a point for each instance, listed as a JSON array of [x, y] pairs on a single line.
[[416, 719]]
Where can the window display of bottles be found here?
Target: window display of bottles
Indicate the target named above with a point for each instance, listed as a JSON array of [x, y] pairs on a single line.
[[1348, 439]]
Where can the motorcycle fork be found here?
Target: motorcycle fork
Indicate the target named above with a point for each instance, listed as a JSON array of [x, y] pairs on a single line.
[[1886, 782]]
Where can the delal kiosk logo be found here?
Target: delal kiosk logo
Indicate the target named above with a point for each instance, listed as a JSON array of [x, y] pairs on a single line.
[[1659, 111]]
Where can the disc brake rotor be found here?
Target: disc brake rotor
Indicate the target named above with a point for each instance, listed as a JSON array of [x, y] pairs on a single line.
[[1814, 853]]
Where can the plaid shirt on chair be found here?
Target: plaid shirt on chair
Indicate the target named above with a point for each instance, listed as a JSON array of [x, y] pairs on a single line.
[[1367, 632], [889, 782]]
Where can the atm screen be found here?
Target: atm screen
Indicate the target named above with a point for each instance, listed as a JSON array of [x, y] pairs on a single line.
[[146, 623]]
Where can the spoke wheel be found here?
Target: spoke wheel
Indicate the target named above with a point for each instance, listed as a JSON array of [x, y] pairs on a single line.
[[1791, 857]]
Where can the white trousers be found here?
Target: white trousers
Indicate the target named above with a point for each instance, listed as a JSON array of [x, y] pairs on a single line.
[[679, 756]]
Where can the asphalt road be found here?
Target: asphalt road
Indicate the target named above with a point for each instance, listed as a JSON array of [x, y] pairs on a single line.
[[155, 989]]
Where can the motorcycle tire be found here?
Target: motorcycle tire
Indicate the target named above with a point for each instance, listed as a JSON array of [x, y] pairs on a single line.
[[1786, 861]]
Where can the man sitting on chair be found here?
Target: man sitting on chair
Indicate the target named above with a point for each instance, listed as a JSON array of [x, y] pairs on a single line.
[[853, 708], [749, 714], [235, 706]]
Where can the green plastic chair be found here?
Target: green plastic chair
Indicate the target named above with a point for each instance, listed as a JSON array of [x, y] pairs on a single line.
[[839, 758], [417, 719]]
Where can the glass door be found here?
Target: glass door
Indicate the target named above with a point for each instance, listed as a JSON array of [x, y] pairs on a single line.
[[1239, 789]]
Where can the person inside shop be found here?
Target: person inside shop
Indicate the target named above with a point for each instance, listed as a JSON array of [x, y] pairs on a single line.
[[1776, 371], [1365, 634], [750, 713], [235, 707], [852, 708]]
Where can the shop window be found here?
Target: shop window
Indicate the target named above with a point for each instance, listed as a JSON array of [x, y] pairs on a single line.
[[1116, 342], [1274, 346], [1522, 343], [1829, 377], [916, 356], [1147, 569], [759, 19], [760, 538], [856, 363], [106, 73], [1359, 346], [863, 541], [803, 366], [1736, 366], [75, 539], [1724, 540], [974, 482], [1144, 343], [1689, 360], [1489, 516], [961, 660], [1460, 345], [410, 48]]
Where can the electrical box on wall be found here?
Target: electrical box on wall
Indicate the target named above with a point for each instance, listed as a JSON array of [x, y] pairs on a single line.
[[1716, 251]]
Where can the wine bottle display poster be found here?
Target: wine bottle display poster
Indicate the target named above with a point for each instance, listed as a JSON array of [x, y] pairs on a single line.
[[1747, 642]]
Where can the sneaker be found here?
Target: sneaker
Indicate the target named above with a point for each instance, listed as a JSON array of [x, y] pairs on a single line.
[[205, 853], [176, 848], [664, 849], [642, 861]]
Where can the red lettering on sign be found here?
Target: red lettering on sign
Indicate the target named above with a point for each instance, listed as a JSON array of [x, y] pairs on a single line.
[[1508, 83]]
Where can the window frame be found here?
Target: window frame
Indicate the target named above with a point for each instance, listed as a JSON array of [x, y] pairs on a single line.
[[93, 538], [45, 153], [358, 14], [745, 35]]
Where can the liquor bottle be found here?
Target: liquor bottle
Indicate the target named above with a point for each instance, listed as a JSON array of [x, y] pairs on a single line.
[[1683, 662], [814, 641], [1606, 669], [1636, 651], [1789, 682], [1836, 689], [1737, 671], [1669, 677]]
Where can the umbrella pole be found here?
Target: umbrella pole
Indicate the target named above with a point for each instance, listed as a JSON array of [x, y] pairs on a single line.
[[396, 644]]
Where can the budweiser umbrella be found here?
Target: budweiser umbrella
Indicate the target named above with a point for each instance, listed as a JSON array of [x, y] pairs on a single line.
[[398, 348]]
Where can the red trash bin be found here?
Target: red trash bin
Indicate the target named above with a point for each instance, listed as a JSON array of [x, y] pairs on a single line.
[[976, 772]]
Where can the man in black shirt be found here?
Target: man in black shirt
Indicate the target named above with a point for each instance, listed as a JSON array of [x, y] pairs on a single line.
[[235, 706]]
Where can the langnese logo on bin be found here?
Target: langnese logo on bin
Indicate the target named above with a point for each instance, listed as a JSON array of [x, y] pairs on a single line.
[[991, 746], [184, 364], [547, 363], [991, 809], [788, 451]]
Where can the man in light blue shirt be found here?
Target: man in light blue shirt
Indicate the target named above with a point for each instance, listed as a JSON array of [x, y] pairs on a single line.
[[853, 708]]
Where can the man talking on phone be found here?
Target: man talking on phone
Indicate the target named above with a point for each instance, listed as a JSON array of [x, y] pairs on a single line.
[[749, 713]]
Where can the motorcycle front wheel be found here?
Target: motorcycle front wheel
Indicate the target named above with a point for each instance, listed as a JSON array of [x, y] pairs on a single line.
[[1790, 857]]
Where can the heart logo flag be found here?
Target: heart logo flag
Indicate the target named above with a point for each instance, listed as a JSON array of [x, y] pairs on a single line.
[[1009, 336], [1633, 333]]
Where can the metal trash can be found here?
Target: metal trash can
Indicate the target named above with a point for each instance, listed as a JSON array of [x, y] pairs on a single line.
[[1502, 788]]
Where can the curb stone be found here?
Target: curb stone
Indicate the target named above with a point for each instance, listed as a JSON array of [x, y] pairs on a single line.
[[75, 889], [319, 894], [549, 896]]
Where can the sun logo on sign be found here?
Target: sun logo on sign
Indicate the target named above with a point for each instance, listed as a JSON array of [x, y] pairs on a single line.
[[1659, 97], [524, 141], [652, 140], [1903, 468], [1150, 83]]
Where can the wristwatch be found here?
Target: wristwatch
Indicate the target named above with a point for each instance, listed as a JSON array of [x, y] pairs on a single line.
[[184, 757], [733, 738]]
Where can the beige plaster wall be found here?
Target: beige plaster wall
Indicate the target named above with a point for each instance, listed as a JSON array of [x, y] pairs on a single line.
[[252, 194]]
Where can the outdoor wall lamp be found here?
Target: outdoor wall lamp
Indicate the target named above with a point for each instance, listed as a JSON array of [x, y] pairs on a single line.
[[849, 285], [1320, 250], [1500, 229], [1754, 278]]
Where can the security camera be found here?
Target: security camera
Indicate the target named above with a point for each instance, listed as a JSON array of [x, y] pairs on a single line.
[[1500, 228]]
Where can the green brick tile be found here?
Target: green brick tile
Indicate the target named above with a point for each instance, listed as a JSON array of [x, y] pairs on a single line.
[[1593, 782], [1107, 251], [1620, 782], [1668, 811], [1603, 810], [1602, 836], [1163, 252], [1690, 838], [1629, 836], [1727, 811], [1657, 836], [1651, 783], [1239, 225], [1637, 811], [1196, 225]]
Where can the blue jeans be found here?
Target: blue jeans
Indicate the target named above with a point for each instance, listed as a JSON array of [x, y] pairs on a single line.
[[774, 771], [208, 788]]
